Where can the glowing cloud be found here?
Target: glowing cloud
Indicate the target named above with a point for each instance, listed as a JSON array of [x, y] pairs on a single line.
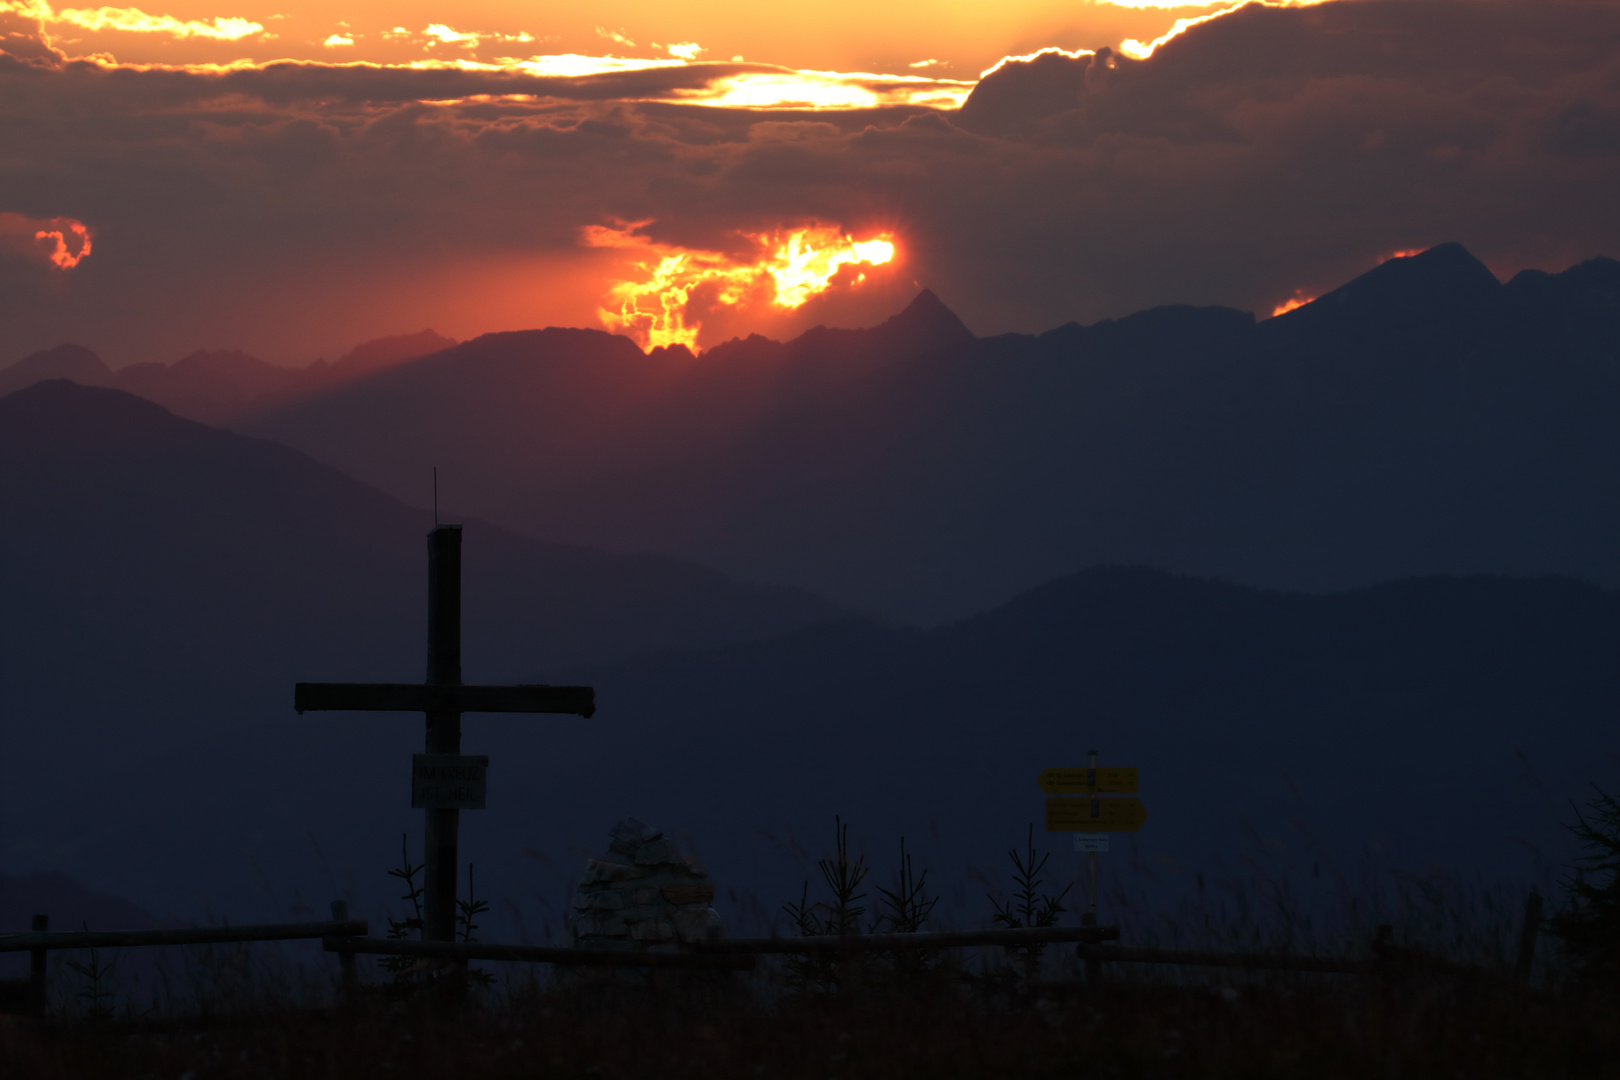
[[785, 89], [450, 37], [570, 65], [686, 50], [1298, 300], [1137, 50], [337, 40], [134, 20], [616, 36], [61, 242], [467, 39], [789, 268], [1029, 58]]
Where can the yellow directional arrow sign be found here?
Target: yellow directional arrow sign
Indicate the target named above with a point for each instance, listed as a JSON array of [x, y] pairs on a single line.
[[1113, 781], [1094, 815]]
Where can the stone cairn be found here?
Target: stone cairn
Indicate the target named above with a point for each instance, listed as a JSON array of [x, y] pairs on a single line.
[[643, 894]]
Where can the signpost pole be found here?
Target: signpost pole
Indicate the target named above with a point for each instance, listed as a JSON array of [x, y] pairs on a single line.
[[37, 969], [443, 727], [1090, 917]]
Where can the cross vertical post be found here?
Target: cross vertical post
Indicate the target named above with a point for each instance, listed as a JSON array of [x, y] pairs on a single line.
[[443, 726]]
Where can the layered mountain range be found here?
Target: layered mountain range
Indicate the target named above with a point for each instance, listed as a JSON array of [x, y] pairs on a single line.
[[1424, 418], [167, 582]]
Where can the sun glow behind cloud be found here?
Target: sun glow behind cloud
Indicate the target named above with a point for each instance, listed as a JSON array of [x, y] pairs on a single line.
[[790, 267], [825, 90], [1298, 300], [1301, 297]]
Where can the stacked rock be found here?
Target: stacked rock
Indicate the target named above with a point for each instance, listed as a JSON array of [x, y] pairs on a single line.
[[643, 894]]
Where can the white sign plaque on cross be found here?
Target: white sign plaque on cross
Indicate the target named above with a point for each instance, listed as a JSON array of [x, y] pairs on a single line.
[[448, 781]]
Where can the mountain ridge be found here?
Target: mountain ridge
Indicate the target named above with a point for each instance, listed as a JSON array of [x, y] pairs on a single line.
[[1422, 418], [221, 385]]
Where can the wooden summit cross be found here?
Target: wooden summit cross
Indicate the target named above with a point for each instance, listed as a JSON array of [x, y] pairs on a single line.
[[443, 698]]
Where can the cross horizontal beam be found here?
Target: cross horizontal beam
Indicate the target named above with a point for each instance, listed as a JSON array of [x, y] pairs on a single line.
[[426, 697]]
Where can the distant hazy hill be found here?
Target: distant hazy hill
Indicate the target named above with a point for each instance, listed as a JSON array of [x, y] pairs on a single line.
[[221, 386], [1421, 419], [165, 584], [1435, 725]]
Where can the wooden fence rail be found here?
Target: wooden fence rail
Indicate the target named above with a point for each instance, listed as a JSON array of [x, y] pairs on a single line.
[[1095, 945], [534, 954], [204, 935], [944, 939], [734, 954], [1258, 961], [40, 942]]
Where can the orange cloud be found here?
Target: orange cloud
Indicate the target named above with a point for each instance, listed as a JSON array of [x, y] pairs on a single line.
[[790, 266], [60, 242], [1298, 300], [134, 20], [1137, 50]]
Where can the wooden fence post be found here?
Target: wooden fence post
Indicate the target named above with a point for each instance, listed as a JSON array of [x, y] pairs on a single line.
[[36, 970], [346, 963], [1527, 939]]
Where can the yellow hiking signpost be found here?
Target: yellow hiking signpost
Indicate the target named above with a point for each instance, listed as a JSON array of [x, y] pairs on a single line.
[[1089, 817], [1094, 815], [1111, 781]]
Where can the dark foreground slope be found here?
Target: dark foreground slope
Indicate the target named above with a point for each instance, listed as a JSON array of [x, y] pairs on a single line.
[[166, 583], [1422, 419]]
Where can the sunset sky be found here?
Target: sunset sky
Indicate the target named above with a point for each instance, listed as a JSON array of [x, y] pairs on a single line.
[[291, 179]]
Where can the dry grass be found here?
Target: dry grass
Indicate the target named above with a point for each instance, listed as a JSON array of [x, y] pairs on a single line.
[[1322, 1028]]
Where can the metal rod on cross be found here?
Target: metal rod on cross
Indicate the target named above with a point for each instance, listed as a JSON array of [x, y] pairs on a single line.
[[443, 781]]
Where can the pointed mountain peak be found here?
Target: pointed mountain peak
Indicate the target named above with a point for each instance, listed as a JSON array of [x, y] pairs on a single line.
[[65, 361], [1444, 276], [926, 323], [386, 352]]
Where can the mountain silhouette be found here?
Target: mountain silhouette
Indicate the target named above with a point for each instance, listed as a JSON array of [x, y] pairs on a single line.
[[1349, 730], [1421, 419], [223, 385], [65, 361]]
